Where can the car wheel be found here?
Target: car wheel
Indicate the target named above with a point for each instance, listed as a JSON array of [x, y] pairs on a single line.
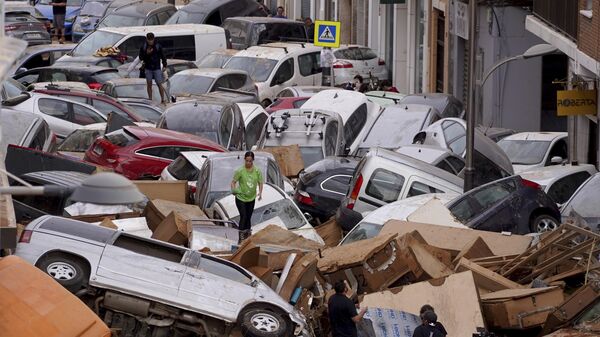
[[263, 323], [265, 103], [69, 271], [543, 223]]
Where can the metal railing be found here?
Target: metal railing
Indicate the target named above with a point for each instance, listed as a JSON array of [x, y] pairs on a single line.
[[563, 15]]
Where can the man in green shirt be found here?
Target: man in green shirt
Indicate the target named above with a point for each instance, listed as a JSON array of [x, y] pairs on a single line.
[[245, 181]]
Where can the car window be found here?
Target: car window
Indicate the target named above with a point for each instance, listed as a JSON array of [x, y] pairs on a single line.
[[362, 231], [226, 125], [83, 115], [559, 149], [105, 76], [182, 169], [149, 248], [80, 99], [233, 81], [331, 135], [146, 112], [309, 64], [29, 78], [286, 93], [175, 68], [348, 54], [163, 17], [385, 185], [367, 54], [165, 152], [337, 184], [259, 69], [456, 163], [581, 201], [79, 140], [152, 21], [487, 197], [454, 133], [284, 73], [463, 210], [237, 30], [131, 46], [181, 47], [254, 129], [55, 108], [355, 124], [104, 63], [299, 103], [444, 165], [418, 188], [214, 19], [188, 84], [564, 188], [106, 108], [273, 174]]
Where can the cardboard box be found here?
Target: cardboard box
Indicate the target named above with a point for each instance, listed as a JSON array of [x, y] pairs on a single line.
[[289, 159], [158, 209], [173, 229], [331, 232], [176, 191], [520, 308]]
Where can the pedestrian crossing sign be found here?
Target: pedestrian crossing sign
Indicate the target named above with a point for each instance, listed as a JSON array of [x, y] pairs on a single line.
[[327, 34]]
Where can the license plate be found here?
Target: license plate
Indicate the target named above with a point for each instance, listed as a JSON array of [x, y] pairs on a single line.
[[34, 36], [98, 150]]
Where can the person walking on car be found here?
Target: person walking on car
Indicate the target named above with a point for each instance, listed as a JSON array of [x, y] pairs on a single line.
[[59, 9], [342, 312], [245, 181], [151, 54]]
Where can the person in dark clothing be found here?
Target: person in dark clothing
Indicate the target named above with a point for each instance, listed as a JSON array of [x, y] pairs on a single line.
[[310, 28], [342, 312], [59, 9], [359, 84], [438, 325], [151, 54], [427, 329]]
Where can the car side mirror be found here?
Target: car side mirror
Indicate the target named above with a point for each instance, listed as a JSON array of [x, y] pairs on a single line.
[[308, 217], [556, 160], [20, 70]]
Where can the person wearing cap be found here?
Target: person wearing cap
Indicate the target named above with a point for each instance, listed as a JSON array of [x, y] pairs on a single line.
[[342, 312], [428, 328], [438, 325]]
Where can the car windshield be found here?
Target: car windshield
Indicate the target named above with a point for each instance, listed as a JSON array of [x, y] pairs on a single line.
[[19, 17], [259, 69], [95, 41], [13, 88], [311, 154], [184, 16], [105, 76], [363, 231], [283, 211], [203, 121], [115, 20], [582, 202], [147, 113], [136, 91], [213, 61], [183, 85], [94, 8], [223, 169], [524, 152], [76, 3], [384, 132], [79, 140]]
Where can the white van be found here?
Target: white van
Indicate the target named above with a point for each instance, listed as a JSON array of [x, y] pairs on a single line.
[[186, 41], [275, 66]]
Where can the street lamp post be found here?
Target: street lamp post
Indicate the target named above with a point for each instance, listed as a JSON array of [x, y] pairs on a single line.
[[474, 99]]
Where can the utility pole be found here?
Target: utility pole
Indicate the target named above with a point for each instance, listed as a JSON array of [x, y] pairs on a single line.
[[469, 167]]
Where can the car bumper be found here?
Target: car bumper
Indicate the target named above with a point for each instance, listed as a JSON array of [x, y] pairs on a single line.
[[347, 218]]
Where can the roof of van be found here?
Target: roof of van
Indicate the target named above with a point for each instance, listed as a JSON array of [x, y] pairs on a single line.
[[416, 164], [276, 50], [264, 19], [161, 30]]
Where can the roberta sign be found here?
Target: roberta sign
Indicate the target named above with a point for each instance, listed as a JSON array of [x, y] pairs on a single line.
[[576, 102]]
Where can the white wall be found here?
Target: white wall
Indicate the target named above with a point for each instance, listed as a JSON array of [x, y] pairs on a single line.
[[512, 95]]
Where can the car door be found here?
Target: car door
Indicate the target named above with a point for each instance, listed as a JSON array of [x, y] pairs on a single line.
[[384, 186], [560, 149], [56, 112], [330, 144], [283, 77], [254, 129], [214, 286], [139, 265], [309, 67], [417, 185], [494, 207]]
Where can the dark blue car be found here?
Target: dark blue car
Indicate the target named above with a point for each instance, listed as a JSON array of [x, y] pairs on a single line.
[[91, 13], [73, 8]]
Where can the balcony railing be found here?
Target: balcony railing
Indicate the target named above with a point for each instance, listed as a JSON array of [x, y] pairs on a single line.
[[560, 14]]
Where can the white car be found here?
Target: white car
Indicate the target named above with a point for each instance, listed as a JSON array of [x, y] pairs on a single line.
[[560, 181], [62, 115], [202, 81], [255, 119], [371, 224], [352, 60], [275, 208], [584, 203], [436, 156], [275, 66], [357, 112], [527, 150], [304, 91]]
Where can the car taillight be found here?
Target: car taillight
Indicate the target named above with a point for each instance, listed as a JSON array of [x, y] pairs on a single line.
[[531, 184], [10, 28], [342, 65], [25, 236], [304, 198], [381, 62], [354, 193], [192, 189], [95, 85]]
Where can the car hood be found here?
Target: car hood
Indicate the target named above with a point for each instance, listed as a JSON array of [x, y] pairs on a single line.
[[521, 168]]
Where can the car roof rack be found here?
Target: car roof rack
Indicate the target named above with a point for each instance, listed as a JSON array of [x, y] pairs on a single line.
[[282, 47], [279, 124]]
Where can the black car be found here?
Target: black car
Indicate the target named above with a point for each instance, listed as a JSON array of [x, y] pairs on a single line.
[[93, 76], [323, 185], [214, 12], [220, 122], [138, 14], [251, 31], [42, 55], [511, 204], [30, 207]]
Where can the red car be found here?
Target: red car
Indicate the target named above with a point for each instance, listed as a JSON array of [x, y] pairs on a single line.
[[286, 103], [100, 101], [142, 153]]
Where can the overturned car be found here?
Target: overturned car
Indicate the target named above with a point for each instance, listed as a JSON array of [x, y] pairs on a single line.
[[141, 284]]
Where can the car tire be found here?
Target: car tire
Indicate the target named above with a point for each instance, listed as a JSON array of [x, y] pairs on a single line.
[[544, 223], [265, 103], [69, 271], [263, 323]]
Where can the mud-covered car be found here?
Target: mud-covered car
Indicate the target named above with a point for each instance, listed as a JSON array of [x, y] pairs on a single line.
[[171, 289]]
